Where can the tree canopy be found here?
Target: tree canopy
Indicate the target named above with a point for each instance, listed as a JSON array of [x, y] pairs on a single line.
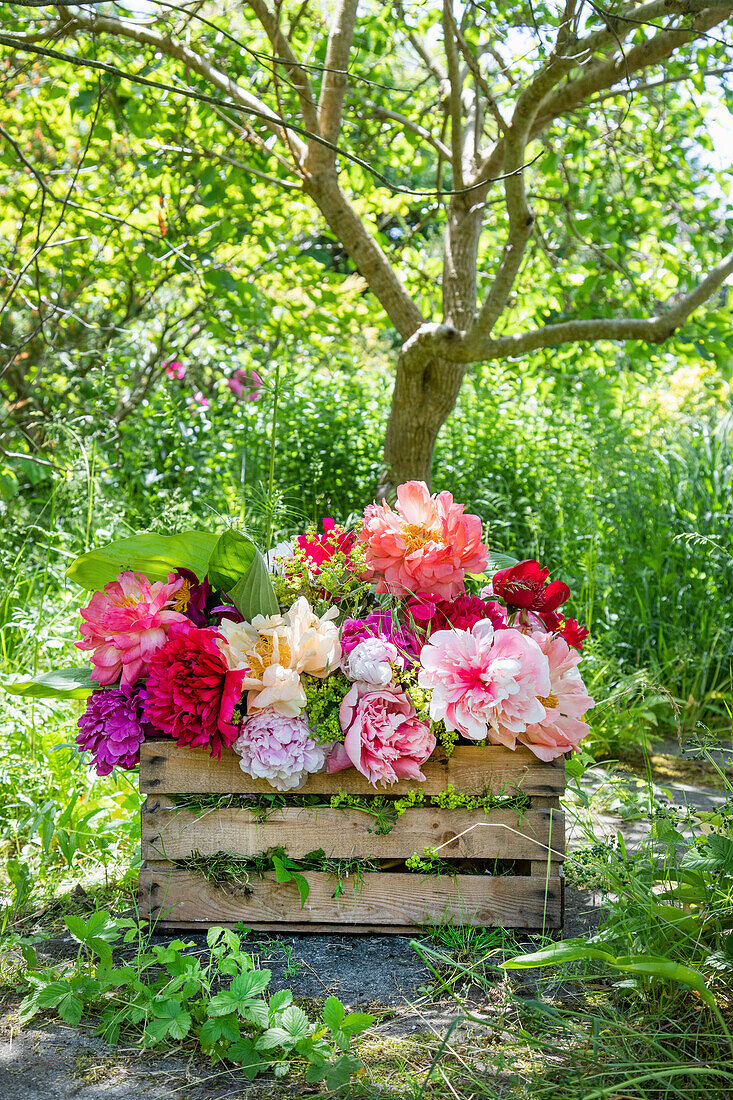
[[477, 182]]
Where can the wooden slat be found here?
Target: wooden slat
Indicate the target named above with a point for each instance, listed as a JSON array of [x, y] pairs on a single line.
[[181, 897], [167, 768], [170, 832]]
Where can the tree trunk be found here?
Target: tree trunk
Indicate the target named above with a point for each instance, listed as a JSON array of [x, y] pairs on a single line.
[[422, 400], [425, 395]]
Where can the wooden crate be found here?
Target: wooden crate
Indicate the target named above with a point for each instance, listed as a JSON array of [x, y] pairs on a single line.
[[388, 900]]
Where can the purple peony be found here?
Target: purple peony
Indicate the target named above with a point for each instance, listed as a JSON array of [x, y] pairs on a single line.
[[380, 624], [112, 728], [279, 749]]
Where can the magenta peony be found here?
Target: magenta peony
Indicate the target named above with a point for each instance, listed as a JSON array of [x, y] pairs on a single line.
[[112, 728], [125, 625], [464, 612], [562, 728], [279, 749], [191, 692], [379, 624], [385, 740], [426, 545], [485, 683]]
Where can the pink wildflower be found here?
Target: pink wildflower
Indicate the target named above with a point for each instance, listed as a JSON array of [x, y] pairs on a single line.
[[485, 683], [426, 545], [174, 369], [246, 384], [126, 624]]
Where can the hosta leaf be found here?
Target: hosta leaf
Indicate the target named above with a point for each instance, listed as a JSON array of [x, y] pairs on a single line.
[[237, 567], [152, 554], [64, 683]]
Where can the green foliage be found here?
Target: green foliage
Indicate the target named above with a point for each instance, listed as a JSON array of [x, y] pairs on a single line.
[[63, 683], [237, 567], [154, 555], [169, 995]]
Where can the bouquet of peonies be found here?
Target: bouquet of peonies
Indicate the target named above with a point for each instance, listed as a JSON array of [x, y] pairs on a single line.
[[340, 649]]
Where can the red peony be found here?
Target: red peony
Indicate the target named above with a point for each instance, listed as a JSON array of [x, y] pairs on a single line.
[[573, 633], [191, 692], [524, 585]]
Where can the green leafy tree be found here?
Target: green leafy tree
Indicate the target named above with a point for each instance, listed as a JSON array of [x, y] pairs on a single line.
[[505, 179]]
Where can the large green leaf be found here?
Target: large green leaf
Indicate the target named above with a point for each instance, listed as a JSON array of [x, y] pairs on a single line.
[[238, 568], [650, 966], [65, 683], [151, 554]]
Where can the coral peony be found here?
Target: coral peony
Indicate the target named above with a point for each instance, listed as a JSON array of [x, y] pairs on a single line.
[[125, 625], [112, 728], [524, 585], [562, 728], [385, 740], [370, 662], [426, 545], [485, 683], [278, 749], [191, 692], [273, 650]]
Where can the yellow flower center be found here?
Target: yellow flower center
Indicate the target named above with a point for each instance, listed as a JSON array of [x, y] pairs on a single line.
[[182, 596], [416, 536], [549, 701], [262, 655]]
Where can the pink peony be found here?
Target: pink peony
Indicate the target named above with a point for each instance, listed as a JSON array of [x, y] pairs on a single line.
[[426, 545], [174, 369], [278, 749], [125, 625], [485, 683], [385, 740], [562, 728], [191, 692], [321, 548]]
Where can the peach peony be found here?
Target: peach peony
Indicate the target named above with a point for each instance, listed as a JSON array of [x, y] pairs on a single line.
[[485, 683], [425, 545], [126, 624], [273, 650], [562, 728]]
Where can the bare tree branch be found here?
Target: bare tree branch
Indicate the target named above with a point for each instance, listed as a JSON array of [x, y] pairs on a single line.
[[336, 75], [458, 347], [284, 55], [455, 88]]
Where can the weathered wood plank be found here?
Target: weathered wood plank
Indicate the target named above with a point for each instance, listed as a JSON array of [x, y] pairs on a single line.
[[181, 897], [171, 832], [167, 768]]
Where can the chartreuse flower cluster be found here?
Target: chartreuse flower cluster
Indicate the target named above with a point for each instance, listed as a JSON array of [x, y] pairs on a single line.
[[347, 649]]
